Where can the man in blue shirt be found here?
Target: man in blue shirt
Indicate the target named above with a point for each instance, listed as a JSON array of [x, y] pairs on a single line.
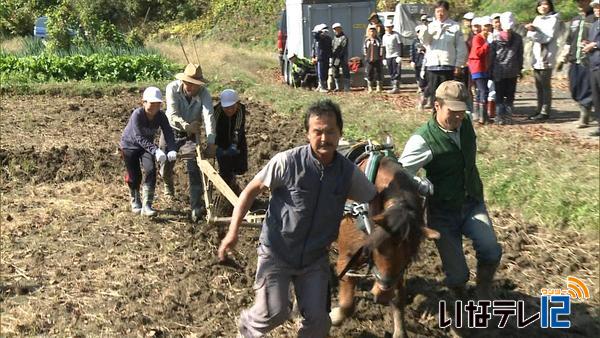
[[309, 187]]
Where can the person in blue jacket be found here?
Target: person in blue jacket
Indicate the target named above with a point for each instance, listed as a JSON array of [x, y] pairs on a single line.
[[592, 49], [137, 146], [322, 52]]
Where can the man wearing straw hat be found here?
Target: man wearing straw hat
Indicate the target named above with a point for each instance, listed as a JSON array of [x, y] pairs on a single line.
[[188, 104]]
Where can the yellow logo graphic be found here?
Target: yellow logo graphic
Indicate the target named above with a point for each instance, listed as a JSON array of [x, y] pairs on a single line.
[[576, 289]]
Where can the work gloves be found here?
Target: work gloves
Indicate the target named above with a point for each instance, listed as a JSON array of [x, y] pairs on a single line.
[[424, 186], [162, 157], [192, 127], [231, 151]]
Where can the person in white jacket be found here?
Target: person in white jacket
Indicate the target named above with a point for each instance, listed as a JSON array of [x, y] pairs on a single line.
[[446, 48], [543, 32]]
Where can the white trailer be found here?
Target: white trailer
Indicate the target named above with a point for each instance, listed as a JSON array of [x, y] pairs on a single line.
[[303, 15], [406, 19]]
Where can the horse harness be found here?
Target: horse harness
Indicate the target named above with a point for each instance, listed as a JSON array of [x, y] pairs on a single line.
[[360, 212]]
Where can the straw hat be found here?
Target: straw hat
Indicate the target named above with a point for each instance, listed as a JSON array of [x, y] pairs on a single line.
[[192, 74]]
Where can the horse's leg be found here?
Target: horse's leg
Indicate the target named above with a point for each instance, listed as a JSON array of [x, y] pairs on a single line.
[[346, 301], [398, 305]]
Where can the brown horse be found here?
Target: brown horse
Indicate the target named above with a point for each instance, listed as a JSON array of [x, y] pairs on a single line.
[[391, 246]]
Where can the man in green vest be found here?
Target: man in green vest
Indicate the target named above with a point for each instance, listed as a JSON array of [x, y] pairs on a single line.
[[446, 148]]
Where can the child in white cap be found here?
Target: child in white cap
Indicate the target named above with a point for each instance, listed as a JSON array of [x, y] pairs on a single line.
[[232, 149], [137, 146], [392, 45]]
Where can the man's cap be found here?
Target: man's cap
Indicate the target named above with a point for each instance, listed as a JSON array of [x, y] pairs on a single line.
[[193, 74], [424, 17], [373, 15], [371, 26], [228, 98], [319, 27], [469, 16], [389, 23], [336, 25], [495, 16], [430, 19], [454, 94], [152, 94], [595, 3], [507, 20]]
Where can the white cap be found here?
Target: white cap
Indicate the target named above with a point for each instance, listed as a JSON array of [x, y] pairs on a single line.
[[389, 23], [319, 27], [336, 25], [494, 15], [469, 16], [423, 17], [595, 3], [228, 98], [152, 94], [485, 20], [507, 20]]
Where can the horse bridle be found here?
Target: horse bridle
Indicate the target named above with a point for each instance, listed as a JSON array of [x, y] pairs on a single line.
[[361, 211]]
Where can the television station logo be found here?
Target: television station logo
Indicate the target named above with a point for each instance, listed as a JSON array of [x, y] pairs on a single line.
[[555, 307]]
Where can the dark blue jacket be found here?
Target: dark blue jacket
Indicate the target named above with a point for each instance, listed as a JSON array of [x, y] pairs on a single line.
[[417, 52], [140, 132], [507, 57], [322, 49], [594, 36], [231, 131]]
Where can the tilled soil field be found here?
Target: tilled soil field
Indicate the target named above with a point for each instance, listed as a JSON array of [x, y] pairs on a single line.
[[75, 262]]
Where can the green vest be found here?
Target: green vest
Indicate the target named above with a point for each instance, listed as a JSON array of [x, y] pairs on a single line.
[[452, 170]]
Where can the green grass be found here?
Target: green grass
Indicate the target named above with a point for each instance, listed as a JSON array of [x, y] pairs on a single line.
[[547, 181]]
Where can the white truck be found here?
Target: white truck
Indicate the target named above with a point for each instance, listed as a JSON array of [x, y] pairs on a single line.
[[303, 15]]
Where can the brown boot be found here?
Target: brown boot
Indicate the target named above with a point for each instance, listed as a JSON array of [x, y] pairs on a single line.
[[491, 109]]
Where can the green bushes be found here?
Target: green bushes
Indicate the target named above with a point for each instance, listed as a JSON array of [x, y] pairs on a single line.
[[244, 21], [94, 67]]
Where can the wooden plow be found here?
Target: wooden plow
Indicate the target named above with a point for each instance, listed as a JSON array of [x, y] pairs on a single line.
[[211, 181]]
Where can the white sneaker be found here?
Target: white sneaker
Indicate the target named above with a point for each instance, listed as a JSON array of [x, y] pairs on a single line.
[[148, 211]]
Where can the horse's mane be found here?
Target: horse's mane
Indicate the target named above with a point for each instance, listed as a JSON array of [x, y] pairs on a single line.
[[405, 216]]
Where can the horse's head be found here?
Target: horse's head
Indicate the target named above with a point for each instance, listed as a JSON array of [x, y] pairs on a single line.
[[398, 230]]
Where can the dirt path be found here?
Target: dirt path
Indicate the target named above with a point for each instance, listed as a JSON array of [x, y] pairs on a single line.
[[565, 113], [75, 262]]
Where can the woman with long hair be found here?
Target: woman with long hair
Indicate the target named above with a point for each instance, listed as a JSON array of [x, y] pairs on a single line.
[[543, 32]]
